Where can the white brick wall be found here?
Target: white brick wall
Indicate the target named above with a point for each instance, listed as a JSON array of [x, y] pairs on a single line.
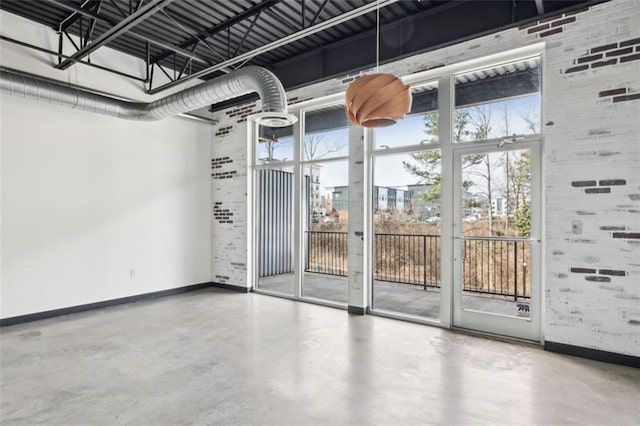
[[229, 240], [592, 138]]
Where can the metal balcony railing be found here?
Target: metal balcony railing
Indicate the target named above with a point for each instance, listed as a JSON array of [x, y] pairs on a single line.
[[497, 266], [490, 266], [326, 252], [407, 259]]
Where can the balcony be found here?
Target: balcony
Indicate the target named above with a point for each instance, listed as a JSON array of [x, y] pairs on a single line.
[[407, 273]]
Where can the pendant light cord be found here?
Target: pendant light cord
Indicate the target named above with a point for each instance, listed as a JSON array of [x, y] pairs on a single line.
[[378, 36]]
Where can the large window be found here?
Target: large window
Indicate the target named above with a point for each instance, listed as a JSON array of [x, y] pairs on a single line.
[[453, 204], [326, 194], [406, 211], [500, 101], [406, 237]]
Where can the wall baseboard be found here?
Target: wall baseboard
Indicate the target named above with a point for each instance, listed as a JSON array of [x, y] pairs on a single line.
[[231, 287], [356, 310], [98, 305], [596, 354]]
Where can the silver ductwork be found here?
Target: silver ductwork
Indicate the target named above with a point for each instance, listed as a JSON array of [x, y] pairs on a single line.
[[245, 80]]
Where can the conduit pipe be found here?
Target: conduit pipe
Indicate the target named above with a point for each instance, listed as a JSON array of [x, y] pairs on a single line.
[[237, 83]]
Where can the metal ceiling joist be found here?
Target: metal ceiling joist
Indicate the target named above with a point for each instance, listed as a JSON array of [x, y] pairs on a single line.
[[123, 26], [298, 58], [246, 33], [369, 7], [117, 30], [74, 16], [320, 9], [120, 11], [85, 36], [62, 56], [441, 26], [221, 27], [153, 41], [92, 25]]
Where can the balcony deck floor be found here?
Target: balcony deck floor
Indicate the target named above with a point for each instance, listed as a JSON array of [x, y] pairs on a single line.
[[403, 298]]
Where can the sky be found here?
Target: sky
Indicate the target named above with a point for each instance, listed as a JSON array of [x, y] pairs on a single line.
[[388, 169]]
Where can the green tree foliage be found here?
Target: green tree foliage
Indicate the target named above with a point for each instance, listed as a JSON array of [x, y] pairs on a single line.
[[426, 164], [523, 220]]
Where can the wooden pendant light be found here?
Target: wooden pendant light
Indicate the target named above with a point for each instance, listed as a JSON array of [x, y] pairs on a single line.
[[377, 100]]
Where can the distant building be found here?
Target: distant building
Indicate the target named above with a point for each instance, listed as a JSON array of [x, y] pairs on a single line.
[[384, 199], [474, 205], [312, 178], [419, 205], [380, 198], [498, 207], [340, 198]]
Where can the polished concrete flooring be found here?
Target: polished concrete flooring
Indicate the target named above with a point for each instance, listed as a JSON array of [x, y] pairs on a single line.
[[217, 357], [394, 297]]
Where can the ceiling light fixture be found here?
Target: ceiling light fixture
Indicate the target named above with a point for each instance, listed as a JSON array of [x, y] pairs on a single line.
[[377, 100]]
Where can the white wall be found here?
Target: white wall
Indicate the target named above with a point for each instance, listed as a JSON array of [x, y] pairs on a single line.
[[594, 137], [87, 198]]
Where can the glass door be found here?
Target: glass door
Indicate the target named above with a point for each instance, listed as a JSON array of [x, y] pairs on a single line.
[[406, 213], [274, 182], [325, 204], [496, 239]]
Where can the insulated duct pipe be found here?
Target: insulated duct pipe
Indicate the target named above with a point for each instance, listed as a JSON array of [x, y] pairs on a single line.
[[245, 80]]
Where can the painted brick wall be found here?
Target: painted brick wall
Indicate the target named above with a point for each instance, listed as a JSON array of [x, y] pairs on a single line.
[[591, 79], [229, 202], [592, 180]]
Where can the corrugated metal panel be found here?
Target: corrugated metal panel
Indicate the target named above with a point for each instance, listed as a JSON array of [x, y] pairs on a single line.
[[275, 222]]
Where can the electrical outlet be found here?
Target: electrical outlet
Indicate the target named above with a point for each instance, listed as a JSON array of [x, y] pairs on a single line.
[[132, 273]]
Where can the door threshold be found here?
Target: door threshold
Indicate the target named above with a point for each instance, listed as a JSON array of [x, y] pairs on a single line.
[[494, 336]]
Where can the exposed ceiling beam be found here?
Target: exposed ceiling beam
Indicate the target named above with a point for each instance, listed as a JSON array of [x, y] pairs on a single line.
[[151, 40], [441, 25], [53, 53], [220, 27], [320, 9], [74, 16], [123, 26], [246, 33], [369, 7]]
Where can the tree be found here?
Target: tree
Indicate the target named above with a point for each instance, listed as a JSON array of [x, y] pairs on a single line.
[[272, 144], [522, 220], [315, 148], [480, 120], [428, 162], [506, 120], [521, 179], [531, 117]]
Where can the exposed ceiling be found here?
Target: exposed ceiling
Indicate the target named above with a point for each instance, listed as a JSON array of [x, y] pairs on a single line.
[[185, 39]]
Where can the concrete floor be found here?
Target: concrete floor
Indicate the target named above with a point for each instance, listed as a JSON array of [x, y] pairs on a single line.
[[218, 357], [403, 298]]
